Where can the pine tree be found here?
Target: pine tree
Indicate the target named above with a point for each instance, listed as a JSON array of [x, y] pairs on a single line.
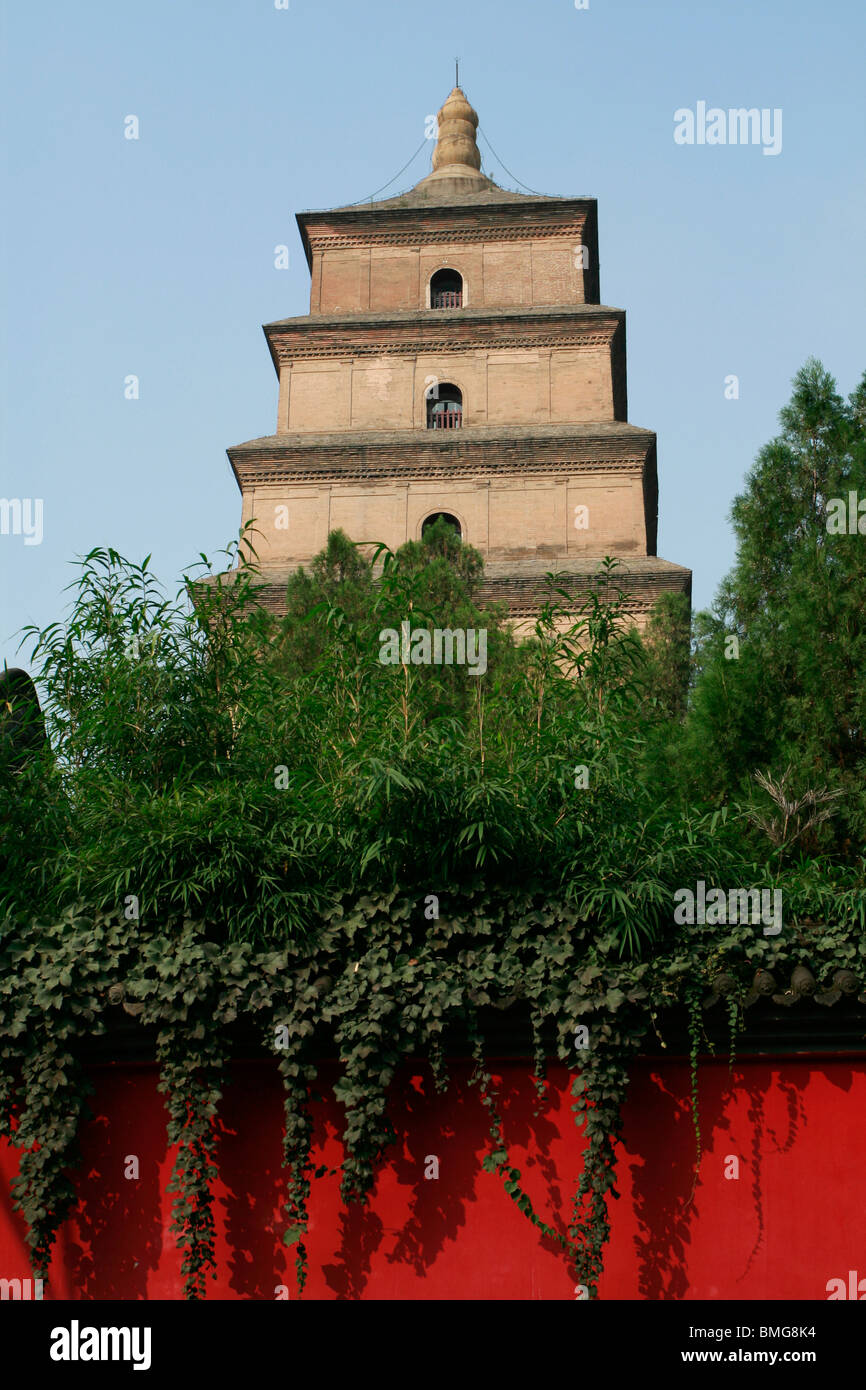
[[790, 692]]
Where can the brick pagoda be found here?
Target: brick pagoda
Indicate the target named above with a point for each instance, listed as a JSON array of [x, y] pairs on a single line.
[[456, 360]]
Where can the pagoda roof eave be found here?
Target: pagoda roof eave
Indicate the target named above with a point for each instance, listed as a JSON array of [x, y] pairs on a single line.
[[471, 314], [355, 439], [415, 203]]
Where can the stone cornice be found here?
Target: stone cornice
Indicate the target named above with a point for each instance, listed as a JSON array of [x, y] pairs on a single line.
[[424, 222], [346, 337], [435, 236], [397, 318], [259, 474], [407, 455]]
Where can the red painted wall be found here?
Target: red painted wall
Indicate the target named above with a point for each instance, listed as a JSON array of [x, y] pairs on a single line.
[[793, 1220]]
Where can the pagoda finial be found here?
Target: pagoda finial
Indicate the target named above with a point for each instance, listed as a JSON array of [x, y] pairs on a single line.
[[457, 126]]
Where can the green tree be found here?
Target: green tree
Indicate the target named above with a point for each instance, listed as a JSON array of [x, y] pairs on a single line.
[[793, 696]]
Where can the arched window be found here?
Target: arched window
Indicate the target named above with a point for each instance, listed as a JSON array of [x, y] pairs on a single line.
[[441, 516], [446, 290], [445, 407]]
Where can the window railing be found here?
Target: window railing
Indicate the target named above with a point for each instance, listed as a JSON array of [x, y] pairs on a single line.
[[446, 299], [451, 419]]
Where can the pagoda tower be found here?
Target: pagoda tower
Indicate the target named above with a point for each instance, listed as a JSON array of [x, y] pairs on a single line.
[[456, 361]]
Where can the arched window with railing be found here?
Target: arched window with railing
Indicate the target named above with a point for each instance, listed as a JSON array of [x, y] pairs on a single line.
[[445, 407], [446, 290]]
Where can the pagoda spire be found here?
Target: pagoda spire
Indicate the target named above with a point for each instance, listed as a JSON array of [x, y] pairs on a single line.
[[457, 145]]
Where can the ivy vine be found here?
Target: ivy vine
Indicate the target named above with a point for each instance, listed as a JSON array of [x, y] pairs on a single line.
[[375, 984]]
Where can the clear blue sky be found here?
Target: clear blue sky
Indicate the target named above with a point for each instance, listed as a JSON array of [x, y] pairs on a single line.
[[155, 257]]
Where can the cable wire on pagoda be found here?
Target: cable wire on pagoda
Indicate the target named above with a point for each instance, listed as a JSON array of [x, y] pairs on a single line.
[[390, 181], [507, 170]]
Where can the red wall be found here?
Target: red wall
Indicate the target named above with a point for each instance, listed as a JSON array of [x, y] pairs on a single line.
[[793, 1220]]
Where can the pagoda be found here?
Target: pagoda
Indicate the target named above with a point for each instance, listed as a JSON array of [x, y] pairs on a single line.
[[456, 361]]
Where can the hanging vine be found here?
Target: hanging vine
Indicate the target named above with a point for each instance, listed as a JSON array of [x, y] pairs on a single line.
[[376, 984], [693, 1002]]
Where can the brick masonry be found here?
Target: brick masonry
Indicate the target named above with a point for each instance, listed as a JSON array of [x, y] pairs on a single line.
[[545, 472]]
